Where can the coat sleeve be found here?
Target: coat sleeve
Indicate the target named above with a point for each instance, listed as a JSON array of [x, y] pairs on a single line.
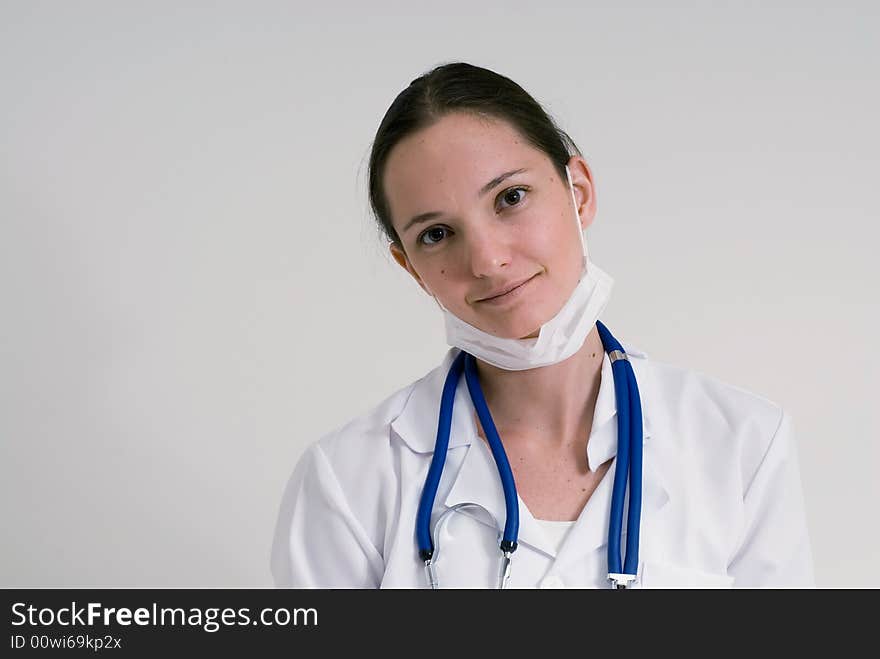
[[318, 541], [775, 549]]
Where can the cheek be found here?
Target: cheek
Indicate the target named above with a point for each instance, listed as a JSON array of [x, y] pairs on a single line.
[[556, 246], [546, 236], [438, 281]]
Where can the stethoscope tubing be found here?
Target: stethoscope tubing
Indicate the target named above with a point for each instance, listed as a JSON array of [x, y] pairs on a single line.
[[621, 473], [628, 469], [511, 501], [435, 471], [634, 513], [629, 460]]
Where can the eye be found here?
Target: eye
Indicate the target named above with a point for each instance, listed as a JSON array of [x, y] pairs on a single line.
[[513, 195], [435, 233]]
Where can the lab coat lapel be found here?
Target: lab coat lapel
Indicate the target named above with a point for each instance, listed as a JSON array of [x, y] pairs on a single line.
[[417, 423], [478, 482], [590, 532]]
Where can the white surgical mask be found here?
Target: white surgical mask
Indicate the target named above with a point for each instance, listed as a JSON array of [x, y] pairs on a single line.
[[558, 339]]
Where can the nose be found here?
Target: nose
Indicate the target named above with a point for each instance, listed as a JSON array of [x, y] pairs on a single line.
[[488, 252]]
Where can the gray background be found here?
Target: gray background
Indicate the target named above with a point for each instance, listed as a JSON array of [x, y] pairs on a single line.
[[193, 289]]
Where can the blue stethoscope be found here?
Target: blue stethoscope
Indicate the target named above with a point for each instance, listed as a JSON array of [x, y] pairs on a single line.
[[629, 464]]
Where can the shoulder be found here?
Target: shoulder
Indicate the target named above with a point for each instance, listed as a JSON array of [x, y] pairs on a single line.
[[366, 445], [367, 431], [713, 421], [351, 473], [709, 399]]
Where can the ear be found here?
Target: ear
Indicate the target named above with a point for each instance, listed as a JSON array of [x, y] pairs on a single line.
[[402, 260], [584, 189]]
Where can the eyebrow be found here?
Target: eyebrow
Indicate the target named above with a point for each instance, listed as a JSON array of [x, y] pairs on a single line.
[[430, 215]]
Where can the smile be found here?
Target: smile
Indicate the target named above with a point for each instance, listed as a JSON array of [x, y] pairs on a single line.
[[508, 297]]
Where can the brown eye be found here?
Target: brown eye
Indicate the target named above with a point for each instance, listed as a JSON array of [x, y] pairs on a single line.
[[435, 233], [513, 196]]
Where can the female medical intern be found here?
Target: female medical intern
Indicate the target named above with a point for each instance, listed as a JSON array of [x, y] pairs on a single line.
[[544, 450]]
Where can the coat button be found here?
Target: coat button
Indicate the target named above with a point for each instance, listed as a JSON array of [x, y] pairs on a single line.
[[552, 582]]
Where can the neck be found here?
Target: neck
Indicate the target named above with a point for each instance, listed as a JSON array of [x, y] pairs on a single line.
[[556, 401]]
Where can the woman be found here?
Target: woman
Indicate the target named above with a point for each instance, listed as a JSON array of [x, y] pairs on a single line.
[[477, 190]]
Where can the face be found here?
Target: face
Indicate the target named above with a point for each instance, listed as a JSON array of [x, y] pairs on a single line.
[[468, 235]]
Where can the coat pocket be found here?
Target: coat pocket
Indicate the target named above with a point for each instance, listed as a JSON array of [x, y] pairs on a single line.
[[666, 575]]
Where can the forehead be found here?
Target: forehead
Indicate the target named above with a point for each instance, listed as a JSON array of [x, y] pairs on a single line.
[[445, 164]]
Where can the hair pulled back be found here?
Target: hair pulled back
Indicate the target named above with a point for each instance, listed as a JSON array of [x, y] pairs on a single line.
[[460, 87]]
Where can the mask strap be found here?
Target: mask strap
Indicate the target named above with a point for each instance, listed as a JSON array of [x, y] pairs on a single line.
[[577, 219]]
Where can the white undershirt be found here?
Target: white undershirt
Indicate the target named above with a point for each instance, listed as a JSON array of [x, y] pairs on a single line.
[[555, 531]]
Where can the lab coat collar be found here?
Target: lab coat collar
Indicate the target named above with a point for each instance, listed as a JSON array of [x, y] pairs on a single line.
[[416, 425], [477, 480]]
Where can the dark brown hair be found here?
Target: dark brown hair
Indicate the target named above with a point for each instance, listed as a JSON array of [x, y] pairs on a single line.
[[460, 87]]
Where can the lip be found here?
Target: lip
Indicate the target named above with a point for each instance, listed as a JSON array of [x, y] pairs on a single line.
[[512, 294]]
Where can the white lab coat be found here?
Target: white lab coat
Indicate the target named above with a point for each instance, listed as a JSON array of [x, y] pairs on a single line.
[[722, 501]]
